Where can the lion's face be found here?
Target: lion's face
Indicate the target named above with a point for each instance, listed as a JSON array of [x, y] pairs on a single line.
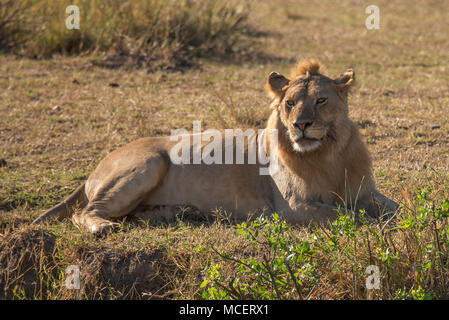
[[311, 107], [309, 110]]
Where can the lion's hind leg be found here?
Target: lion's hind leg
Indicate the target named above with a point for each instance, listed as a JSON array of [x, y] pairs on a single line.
[[92, 220], [117, 193]]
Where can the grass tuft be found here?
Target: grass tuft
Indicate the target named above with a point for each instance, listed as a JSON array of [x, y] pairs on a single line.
[[149, 33]]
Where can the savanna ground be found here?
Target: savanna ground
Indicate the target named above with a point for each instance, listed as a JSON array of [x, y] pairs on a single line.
[[60, 115]]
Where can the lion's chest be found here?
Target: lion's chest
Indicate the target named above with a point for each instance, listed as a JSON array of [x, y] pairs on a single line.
[[310, 187]]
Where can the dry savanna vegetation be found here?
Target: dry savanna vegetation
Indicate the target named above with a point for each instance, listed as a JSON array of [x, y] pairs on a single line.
[[144, 68]]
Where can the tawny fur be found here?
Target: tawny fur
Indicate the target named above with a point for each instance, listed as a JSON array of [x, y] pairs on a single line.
[[322, 161], [311, 66]]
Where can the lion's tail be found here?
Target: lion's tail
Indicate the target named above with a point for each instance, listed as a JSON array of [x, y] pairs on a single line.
[[65, 208]]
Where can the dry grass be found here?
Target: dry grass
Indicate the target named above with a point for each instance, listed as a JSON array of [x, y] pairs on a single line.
[[59, 117], [155, 33], [13, 22]]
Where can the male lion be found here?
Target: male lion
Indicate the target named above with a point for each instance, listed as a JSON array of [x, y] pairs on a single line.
[[321, 161]]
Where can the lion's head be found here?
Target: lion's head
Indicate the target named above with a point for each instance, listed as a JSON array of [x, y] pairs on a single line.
[[312, 107]]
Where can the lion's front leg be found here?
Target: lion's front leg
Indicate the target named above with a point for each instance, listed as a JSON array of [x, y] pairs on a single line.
[[320, 213], [377, 206], [381, 206], [306, 213]]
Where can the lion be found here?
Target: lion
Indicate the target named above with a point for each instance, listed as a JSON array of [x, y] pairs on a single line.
[[322, 165]]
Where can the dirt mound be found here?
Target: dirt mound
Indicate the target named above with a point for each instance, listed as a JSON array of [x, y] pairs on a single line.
[[130, 275], [33, 265], [22, 257]]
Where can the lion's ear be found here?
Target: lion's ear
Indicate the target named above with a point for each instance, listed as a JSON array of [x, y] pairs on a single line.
[[345, 80], [276, 82]]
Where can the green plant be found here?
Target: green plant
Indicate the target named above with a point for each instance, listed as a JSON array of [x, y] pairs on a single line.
[[279, 273], [282, 264], [414, 294]]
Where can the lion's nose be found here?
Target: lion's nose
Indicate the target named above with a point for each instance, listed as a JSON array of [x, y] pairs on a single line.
[[303, 124]]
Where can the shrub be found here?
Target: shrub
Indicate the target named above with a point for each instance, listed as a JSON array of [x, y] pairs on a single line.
[[278, 274], [13, 21]]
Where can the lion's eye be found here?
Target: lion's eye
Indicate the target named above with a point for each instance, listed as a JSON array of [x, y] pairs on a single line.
[[321, 100], [290, 103]]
